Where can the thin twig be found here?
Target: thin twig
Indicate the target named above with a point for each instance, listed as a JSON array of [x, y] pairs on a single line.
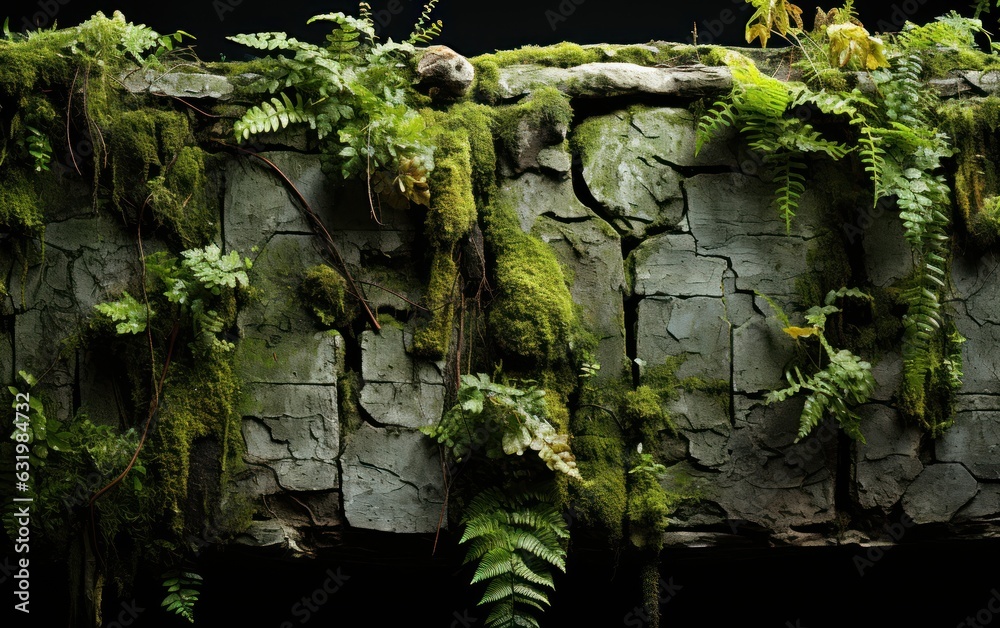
[[69, 109]]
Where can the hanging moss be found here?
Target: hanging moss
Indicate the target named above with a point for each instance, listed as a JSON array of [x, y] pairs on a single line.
[[532, 315], [20, 208], [972, 125]]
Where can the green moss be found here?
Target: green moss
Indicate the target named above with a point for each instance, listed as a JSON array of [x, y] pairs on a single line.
[[545, 108], [984, 226], [563, 55], [180, 202], [432, 339], [486, 87], [477, 122], [643, 414], [940, 62], [200, 401], [20, 208], [532, 315], [600, 500], [323, 290]]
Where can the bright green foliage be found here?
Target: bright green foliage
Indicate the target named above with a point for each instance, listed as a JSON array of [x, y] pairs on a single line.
[[846, 381], [39, 148], [515, 420], [182, 592], [195, 286], [353, 86], [425, 30], [760, 106], [516, 538], [130, 315]]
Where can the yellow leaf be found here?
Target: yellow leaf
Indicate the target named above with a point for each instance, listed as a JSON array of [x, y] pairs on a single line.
[[800, 332]]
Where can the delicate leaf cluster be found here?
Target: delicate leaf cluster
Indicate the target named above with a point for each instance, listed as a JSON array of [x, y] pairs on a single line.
[[505, 420], [516, 538], [182, 592], [844, 382], [355, 86]]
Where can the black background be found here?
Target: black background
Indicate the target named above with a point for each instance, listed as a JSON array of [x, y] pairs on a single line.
[[918, 584], [470, 27]]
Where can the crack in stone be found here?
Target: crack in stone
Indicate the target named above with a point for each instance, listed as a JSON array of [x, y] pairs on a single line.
[[390, 472]]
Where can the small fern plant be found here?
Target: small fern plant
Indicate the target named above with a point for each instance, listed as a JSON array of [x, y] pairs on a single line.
[[516, 415], [352, 92], [182, 592], [517, 539], [846, 380]]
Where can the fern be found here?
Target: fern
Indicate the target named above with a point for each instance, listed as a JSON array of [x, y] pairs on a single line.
[[182, 592], [517, 538], [422, 34], [130, 315], [356, 86], [846, 381]]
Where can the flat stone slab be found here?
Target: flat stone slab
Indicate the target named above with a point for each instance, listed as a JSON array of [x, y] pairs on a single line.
[[399, 390], [669, 265], [761, 352], [392, 481], [607, 80], [974, 439], [178, 84], [294, 430], [938, 492], [694, 327], [889, 460], [532, 195]]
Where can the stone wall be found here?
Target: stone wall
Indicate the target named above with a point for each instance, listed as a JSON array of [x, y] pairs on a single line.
[[668, 253]]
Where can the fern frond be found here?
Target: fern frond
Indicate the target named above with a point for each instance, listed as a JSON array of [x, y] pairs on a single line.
[[273, 115], [719, 116], [425, 30], [791, 185]]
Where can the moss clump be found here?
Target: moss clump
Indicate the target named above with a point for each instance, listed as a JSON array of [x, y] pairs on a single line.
[[477, 122], [179, 199], [563, 55], [323, 290], [532, 315], [973, 124], [643, 414], [486, 88], [432, 339], [19, 202], [984, 226], [547, 109]]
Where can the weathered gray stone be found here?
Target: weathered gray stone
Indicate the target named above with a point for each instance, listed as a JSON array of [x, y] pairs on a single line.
[[669, 265], [532, 137], [972, 280], [38, 351], [283, 358], [625, 174], [257, 202], [399, 390], [268, 533], [770, 481], [294, 430], [555, 159], [444, 73], [533, 195], [938, 492], [761, 351], [694, 327], [889, 460], [591, 251], [974, 439], [703, 419], [731, 216], [670, 134], [887, 253], [888, 374], [985, 505], [178, 84], [980, 359], [392, 481], [606, 80]]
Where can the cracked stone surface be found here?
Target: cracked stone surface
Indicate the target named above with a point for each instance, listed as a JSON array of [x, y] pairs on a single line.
[[938, 492], [731, 217], [179, 84], [978, 319], [591, 251], [703, 419], [668, 265], [399, 390], [694, 327], [532, 138], [294, 430], [887, 253], [281, 342], [974, 439], [532, 195], [985, 505], [888, 461], [392, 480], [626, 174]]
